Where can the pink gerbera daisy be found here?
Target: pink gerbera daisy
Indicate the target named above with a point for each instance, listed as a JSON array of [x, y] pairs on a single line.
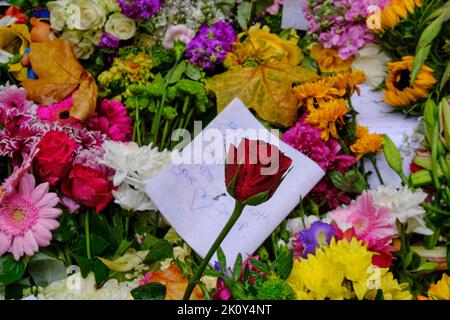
[[58, 112], [371, 224], [27, 217]]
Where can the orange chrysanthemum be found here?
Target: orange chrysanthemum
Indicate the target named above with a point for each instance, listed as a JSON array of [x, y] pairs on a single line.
[[398, 91], [310, 94], [349, 81], [328, 59], [327, 115], [366, 142], [396, 11]]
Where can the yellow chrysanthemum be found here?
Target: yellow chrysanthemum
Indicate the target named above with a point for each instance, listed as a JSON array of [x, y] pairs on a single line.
[[396, 11], [440, 290], [349, 81], [327, 115], [398, 91], [328, 59], [312, 93], [366, 142]]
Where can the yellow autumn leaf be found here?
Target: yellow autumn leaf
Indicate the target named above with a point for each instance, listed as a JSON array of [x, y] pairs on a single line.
[[267, 89], [60, 73], [127, 262]]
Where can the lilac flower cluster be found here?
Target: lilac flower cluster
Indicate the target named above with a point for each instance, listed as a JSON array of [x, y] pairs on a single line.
[[341, 24], [108, 41], [139, 9], [211, 44]]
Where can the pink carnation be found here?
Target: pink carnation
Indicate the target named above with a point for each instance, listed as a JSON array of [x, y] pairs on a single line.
[[113, 120]]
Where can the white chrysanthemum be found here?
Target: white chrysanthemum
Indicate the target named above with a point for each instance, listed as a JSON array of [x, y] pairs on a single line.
[[132, 200], [75, 287], [404, 205], [372, 60], [133, 164]]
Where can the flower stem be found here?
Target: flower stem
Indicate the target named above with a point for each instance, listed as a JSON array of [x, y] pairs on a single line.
[[88, 235], [127, 225], [374, 163], [238, 208]]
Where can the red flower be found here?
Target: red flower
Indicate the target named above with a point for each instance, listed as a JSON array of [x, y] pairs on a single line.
[[89, 187], [254, 171], [15, 12], [54, 159]]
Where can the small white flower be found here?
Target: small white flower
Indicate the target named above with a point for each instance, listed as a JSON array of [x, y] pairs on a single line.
[[404, 205], [177, 32], [296, 224], [132, 200], [372, 60], [120, 26]]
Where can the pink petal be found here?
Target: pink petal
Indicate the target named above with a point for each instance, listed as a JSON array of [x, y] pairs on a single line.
[[49, 224], [17, 248], [49, 200], [39, 192], [27, 184], [50, 213], [42, 235], [30, 245], [5, 242]]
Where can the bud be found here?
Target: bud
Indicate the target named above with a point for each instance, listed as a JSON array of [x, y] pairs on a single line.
[[444, 122]]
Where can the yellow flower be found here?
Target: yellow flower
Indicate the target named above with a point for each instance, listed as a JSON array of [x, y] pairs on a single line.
[[366, 142], [328, 59], [349, 81], [263, 47], [326, 116], [398, 90], [440, 290], [396, 11], [15, 39], [310, 94]]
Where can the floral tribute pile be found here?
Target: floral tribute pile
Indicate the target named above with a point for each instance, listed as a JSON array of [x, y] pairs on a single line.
[[91, 92]]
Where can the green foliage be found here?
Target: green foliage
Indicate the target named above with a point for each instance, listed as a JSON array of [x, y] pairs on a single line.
[[275, 289], [352, 182], [10, 269], [149, 291]]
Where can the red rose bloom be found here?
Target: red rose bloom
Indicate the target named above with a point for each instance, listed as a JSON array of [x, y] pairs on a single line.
[[254, 171], [89, 187], [54, 159], [15, 12]]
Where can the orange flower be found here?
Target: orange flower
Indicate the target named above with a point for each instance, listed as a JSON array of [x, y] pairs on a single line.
[[398, 91], [396, 11], [312, 93], [349, 81], [327, 115], [328, 59], [366, 142]]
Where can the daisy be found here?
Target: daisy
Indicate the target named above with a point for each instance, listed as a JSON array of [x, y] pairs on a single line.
[[27, 217]]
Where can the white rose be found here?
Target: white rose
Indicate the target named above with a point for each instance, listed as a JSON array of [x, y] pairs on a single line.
[[57, 14], [109, 5], [372, 60], [120, 26], [83, 43], [85, 15]]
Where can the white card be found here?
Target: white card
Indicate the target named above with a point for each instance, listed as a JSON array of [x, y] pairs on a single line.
[[293, 15], [379, 118], [193, 198]]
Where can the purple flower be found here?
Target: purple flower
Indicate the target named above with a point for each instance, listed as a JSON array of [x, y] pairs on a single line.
[[319, 234], [210, 45], [109, 42], [139, 9]]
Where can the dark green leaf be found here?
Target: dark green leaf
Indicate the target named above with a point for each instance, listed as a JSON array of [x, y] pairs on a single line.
[[10, 269], [101, 272], [68, 228], [45, 269], [159, 251], [124, 245], [149, 291], [237, 269], [221, 259], [260, 266], [98, 246], [283, 264], [237, 289], [149, 241], [192, 72]]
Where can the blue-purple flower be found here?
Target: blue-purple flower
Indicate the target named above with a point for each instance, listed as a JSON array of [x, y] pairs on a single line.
[[108, 41], [210, 46], [139, 9], [319, 234]]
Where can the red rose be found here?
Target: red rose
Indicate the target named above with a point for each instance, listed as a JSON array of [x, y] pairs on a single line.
[[89, 187], [54, 159], [15, 12], [254, 171]]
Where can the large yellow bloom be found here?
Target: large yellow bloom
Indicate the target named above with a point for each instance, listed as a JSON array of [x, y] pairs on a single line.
[[366, 142], [262, 47], [349, 81], [396, 11], [328, 59], [327, 115], [440, 290], [310, 94], [398, 91]]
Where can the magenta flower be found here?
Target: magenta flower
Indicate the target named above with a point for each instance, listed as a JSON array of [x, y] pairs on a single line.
[[13, 102], [372, 225], [27, 217], [113, 120], [308, 141], [57, 112], [325, 192]]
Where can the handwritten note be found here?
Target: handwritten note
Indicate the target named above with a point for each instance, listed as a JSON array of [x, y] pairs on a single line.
[[378, 116], [193, 198], [293, 15]]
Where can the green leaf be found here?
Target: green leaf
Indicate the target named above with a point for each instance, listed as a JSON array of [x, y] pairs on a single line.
[[149, 291], [244, 12], [445, 77], [159, 251], [221, 259], [237, 289], [379, 295], [124, 245], [149, 241], [350, 182], [175, 74], [10, 269], [426, 266], [237, 269], [98, 245], [283, 264], [193, 72], [260, 266], [68, 228], [45, 269], [101, 272]]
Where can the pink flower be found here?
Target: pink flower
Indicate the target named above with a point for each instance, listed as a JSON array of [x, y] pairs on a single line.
[[147, 279], [308, 141], [112, 119], [57, 112], [13, 102], [27, 217], [372, 225], [273, 9], [177, 32], [222, 291]]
